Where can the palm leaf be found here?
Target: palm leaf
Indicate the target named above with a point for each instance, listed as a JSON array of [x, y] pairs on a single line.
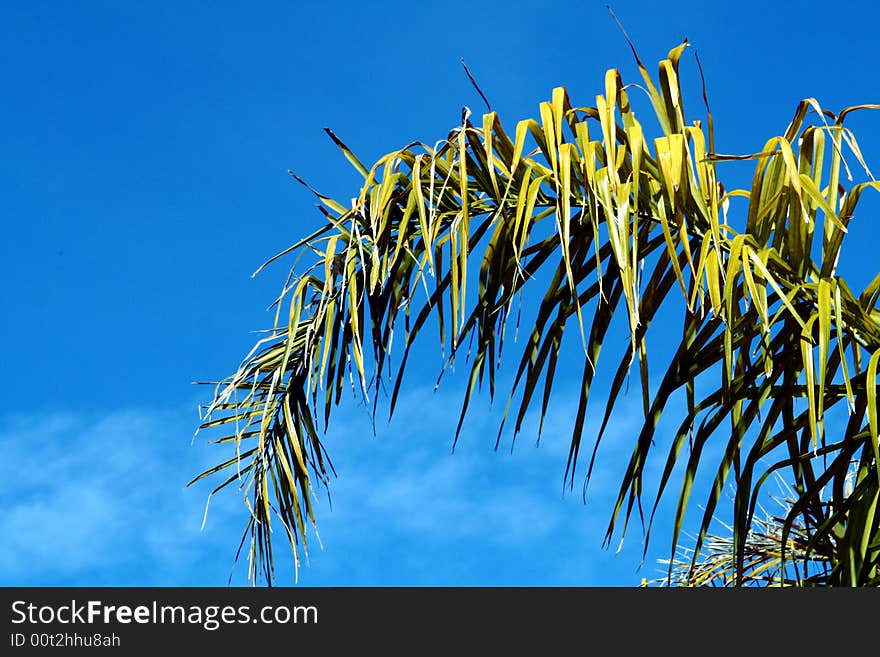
[[578, 204]]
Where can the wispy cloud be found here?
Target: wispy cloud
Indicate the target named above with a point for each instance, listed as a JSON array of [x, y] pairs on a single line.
[[101, 500]]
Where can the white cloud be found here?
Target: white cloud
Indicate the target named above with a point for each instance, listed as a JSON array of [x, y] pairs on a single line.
[[101, 500]]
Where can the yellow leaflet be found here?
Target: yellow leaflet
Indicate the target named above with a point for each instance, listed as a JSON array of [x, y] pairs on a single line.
[[582, 137], [385, 189], [809, 373], [268, 409], [627, 269], [464, 223], [636, 142], [549, 131], [824, 303], [264, 492], [294, 439], [488, 122], [670, 151], [813, 192], [403, 232], [609, 143], [565, 155], [872, 406], [520, 218], [686, 247], [675, 54], [558, 111], [792, 169], [464, 231], [606, 113], [387, 206], [818, 157], [521, 129], [838, 314], [328, 336], [698, 183], [736, 192], [454, 282], [756, 294], [353, 317], [700, 162], [671, 86], [375, 267], [670, 244], [293, 320], [769, 277], [329, 255], [420, 205], [734, 263], [850, 140], [636, 146], [698, 291], [463, 179]]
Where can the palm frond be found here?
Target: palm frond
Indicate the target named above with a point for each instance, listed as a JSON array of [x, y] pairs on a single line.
[[608, 222]]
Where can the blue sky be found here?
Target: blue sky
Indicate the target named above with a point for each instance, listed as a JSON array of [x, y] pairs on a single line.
[[144, 156]]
